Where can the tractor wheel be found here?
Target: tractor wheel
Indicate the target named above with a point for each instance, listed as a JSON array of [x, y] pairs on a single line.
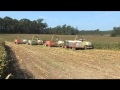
[[58, 45], [65, 47], [73, 48], [49, 45], [45, 45], [85, 47], [28, 44]]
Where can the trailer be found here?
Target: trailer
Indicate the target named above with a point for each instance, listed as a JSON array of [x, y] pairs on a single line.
[[78, 44], [20, 40]]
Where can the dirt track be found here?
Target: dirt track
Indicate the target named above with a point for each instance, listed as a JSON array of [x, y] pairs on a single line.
[[58, 63]]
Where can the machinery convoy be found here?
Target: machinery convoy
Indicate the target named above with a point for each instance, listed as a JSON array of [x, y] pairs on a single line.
[[56, 42]]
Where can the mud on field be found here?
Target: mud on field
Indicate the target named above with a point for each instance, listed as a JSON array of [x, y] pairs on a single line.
[[42, 62]]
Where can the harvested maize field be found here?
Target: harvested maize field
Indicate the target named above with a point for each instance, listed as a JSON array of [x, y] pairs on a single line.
[[59, 63]]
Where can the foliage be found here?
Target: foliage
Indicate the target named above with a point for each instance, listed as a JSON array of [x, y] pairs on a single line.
[[95, 32], [115, 32], [9, 25], [3, 57]]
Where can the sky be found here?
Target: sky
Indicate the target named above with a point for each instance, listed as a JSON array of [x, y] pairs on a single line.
[[82, 20]]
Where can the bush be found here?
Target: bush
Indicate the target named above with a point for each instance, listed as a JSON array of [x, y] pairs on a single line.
[[3, 57], [113, 35], [2, 42]]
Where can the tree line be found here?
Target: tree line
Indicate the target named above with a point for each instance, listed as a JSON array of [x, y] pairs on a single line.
[[115, 32], [9, 25], [25, 26]]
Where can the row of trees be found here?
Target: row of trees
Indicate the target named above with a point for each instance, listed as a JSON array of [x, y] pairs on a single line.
[[68, 30], [94, 32], [115, 32], [9, 25], [26, 26], [63, 30]]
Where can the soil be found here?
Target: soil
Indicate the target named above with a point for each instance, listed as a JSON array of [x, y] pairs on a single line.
[[40, 62]]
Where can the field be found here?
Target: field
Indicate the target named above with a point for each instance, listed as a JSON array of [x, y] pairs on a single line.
[[42, 62]]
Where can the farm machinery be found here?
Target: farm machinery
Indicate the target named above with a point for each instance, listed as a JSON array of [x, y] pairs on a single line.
[[20, 40], [57, 42], [80, 43], [35, 41]]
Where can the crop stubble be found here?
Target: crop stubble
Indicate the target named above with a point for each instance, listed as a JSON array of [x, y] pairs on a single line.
[[59, 63]]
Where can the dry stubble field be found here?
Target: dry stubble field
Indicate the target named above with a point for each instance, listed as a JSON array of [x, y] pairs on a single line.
[[59, 63]]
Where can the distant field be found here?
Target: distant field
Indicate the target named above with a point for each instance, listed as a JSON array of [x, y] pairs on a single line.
[[99, 42]]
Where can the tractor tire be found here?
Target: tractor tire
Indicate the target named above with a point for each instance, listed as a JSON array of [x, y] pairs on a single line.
[[58, 45], [28, 44], [73, 48], [45, 45], [49, 45], [85, 47], [65, 47]]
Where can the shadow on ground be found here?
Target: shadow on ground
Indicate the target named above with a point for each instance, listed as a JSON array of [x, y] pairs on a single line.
[[14, 68]]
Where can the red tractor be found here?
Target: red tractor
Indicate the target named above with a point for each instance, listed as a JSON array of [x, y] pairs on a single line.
[[20, 40]]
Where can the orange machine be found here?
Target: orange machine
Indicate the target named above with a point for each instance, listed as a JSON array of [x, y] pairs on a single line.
[[50, 43]]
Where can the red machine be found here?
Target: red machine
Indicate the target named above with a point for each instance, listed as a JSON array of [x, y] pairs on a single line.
[[50, 43], [20, 40]]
